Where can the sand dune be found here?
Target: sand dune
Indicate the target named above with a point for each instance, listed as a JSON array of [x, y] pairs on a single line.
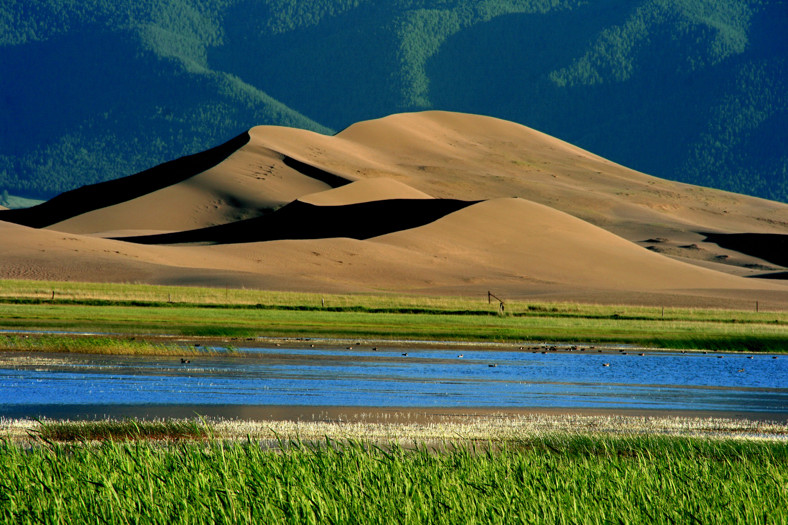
[[526, 240], [393, 205], [517, 248]]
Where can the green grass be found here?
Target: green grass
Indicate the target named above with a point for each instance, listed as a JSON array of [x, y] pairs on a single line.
[[200, 312], [553, 479], [103, 345]]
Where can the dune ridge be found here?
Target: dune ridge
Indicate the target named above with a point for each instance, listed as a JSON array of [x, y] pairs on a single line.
[[105, 194], [431, 202]]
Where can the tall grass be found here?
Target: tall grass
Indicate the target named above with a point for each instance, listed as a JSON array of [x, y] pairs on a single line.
[[553, 479]]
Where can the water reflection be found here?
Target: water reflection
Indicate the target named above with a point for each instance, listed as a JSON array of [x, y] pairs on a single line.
[[386, 378]]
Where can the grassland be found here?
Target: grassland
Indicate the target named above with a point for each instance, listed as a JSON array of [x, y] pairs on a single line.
[[215, 313], [557, 478], [128, 310], [490, 469]]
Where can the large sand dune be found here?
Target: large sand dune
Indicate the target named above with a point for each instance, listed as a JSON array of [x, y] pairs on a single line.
[[427, 203]]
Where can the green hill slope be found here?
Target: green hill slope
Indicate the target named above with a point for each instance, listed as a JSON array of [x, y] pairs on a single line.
[[691, 90]]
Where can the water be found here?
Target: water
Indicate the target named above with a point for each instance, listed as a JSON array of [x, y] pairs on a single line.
[[386, 378]]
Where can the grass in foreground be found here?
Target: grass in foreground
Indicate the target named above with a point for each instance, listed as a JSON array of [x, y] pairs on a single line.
[[549, 479]]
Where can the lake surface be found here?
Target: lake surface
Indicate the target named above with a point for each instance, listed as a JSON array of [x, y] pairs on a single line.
[[31, 383]]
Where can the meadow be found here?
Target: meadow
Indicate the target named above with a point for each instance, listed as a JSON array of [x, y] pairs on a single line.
[[545, 469], [130, 310], [553, 478]]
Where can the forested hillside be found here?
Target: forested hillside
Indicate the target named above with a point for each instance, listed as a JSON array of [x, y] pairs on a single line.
[[691, 90]]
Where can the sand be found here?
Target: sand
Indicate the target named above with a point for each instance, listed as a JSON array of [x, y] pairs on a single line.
[[369, 210]]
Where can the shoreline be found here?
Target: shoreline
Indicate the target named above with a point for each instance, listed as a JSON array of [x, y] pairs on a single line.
[[300, 343], [351, 414], [428, 426]]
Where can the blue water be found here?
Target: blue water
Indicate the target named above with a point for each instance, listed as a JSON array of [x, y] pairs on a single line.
[[386, 378]]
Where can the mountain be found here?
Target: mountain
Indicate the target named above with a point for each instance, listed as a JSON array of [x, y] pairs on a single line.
[[430, 202], [688, 90]]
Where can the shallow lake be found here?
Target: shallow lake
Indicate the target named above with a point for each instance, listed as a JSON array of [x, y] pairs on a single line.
[[30, 384]]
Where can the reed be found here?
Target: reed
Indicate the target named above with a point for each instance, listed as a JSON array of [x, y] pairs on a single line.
[[550, 479]]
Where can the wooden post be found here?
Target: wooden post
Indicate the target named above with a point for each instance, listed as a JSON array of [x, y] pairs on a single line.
[[756, 306], [491, 296]]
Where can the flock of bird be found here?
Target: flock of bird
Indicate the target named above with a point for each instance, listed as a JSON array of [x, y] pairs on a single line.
[[533, 349]]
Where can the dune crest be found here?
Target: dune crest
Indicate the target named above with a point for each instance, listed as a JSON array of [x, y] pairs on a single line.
[[366, 190]]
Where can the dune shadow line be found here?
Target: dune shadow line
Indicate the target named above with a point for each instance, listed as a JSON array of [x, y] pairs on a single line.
[[772, 247], [299, 220], [109, 193], [335, 181]]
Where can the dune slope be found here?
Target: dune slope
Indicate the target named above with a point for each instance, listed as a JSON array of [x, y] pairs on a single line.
[[430, 202]]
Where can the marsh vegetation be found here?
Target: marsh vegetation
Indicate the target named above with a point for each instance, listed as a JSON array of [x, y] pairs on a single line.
[[558, 478]]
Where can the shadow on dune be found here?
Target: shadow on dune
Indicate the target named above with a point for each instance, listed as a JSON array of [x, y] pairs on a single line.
[[96, 196], [772, 247], [783, 276], [335, 181], [299, 220]]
